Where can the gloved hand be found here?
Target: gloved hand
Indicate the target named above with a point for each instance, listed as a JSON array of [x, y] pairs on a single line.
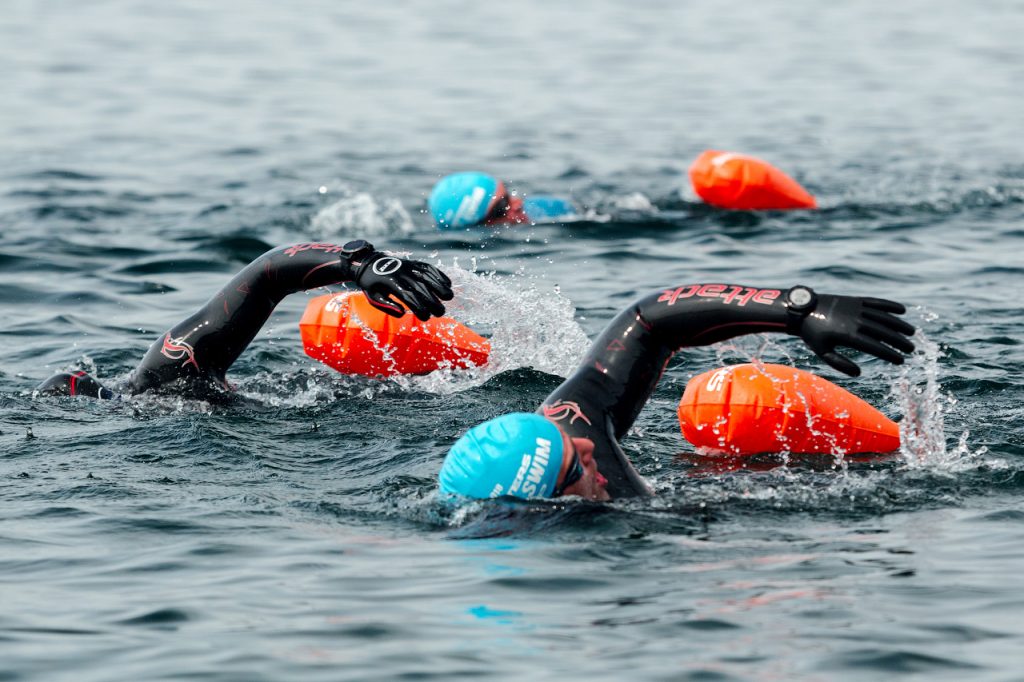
[[420, 286], [865, 324]]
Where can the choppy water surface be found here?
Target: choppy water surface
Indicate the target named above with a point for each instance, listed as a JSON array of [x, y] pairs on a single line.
[[150, 150]]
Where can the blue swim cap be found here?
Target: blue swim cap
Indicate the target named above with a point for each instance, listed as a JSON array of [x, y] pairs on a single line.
[[516, 454], [462, 199]]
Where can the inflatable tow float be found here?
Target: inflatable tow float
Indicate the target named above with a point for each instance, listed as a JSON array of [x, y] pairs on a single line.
[[345, 332], [741, 182], [749, 409]]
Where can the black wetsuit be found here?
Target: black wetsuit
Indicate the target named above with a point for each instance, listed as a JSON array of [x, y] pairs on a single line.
[[205, 344], [603, 397], [196, 353]]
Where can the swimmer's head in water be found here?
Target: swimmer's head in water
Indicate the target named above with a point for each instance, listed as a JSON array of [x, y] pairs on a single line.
[[466, 199], [519, 455]]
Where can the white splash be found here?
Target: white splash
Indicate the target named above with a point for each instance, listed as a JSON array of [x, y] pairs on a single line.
[[604, 209], [528, 325], [634, 201], [924, 407], [361, 212]]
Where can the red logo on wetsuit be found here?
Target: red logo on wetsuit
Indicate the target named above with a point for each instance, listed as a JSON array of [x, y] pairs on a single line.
[[176, 349], [560, 409], [314, 246], [729, 292]]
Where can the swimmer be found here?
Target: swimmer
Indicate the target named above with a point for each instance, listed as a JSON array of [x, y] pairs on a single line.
[[570, 446], [465, 200], [195, 354]]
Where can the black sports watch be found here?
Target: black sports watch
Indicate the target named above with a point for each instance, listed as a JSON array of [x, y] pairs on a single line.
[[356, 250], [800, 300]]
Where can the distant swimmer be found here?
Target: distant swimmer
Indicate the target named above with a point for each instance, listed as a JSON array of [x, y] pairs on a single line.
[[472, 199], [194, 355], [570, 446]]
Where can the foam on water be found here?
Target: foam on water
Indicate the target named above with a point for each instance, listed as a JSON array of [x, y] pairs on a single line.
[[634, 201], [355, 212], [532, 325], [923, 440]]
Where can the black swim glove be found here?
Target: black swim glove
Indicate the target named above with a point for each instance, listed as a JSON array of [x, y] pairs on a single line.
[[825, 321], [385, 278]]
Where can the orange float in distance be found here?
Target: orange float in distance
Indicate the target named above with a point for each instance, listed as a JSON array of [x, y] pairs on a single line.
[[747, 409], [737, 181], [345, 332]]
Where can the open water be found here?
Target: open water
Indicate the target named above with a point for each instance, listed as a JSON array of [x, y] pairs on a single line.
[[149, 150]]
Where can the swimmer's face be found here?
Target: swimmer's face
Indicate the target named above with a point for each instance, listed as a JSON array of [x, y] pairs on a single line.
[[505, 207], [591, 485]]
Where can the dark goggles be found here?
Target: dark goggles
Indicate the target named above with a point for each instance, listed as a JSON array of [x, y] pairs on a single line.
[[500, 204], [574, 474]]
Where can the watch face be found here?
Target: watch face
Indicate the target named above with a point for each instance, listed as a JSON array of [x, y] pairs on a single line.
[[800, 296], [355, 246]]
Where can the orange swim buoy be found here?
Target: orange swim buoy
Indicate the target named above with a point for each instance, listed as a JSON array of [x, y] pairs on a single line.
[[738, 181], [345, 332], [748, 409]]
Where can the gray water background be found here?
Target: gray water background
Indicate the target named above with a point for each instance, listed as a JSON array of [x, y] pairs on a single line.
[[149, 150]]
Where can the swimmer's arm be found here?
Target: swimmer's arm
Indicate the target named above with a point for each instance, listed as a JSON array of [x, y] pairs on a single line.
[[625, 363], [628, 358], [703, 314], [207, 342]]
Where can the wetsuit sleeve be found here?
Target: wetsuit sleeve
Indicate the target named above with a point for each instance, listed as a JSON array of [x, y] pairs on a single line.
[[627, 359], [205, 344], [603, 397]]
